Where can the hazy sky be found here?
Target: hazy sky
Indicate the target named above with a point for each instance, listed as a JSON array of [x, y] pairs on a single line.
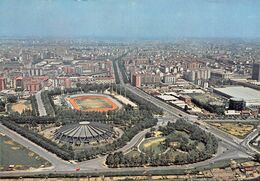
[[130, 18]]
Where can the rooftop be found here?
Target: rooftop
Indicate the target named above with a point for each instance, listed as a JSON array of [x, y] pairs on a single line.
[[84, 132], [251, 96]]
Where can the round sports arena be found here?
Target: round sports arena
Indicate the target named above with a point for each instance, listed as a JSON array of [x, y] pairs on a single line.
[[84, 133], [93, 102]]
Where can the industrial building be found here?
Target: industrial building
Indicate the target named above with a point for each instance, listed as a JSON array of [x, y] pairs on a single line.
[[249, 95]]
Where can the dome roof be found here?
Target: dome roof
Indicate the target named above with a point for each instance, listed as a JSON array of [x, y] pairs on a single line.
[[84, 132]]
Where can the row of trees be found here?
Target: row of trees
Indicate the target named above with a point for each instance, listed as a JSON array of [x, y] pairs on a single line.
[[48, 103], [2, 106], [209, 107], [116, 72], [35, 110], [100, 88], [143, 103], [12, 99], [64, 153], [32, 120], [123, 70]]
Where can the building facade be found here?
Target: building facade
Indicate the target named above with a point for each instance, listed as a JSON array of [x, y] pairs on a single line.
[[256, 71], [2, 83], [137, 82]]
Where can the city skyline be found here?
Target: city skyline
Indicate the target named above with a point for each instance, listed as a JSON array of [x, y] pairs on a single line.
[[130, 89], [130, 19]]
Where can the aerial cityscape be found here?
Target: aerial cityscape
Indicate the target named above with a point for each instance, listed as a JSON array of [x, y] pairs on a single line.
[[106, 90]]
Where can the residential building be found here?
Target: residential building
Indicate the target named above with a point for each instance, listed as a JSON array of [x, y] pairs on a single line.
[[137, 82], [169, 79], [2, 83]]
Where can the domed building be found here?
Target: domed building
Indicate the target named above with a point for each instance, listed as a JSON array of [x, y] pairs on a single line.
[[84, 133]]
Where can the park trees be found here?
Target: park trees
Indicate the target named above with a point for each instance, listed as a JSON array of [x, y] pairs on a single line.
[[189, 152], [2, 106], [12, 99]]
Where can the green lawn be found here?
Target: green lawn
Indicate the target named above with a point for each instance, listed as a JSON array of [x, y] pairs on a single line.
[[92, 103], [153, 144], [133, 153]]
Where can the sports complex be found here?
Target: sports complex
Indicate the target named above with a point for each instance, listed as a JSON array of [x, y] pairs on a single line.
[[93, 102]]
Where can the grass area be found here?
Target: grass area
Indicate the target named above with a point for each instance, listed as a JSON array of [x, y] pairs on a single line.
[[12, 153], [206, 98], [133, 153], [238, 129], [153, 144], [93, 103], [157, 133], [201, 146], [20, 106]]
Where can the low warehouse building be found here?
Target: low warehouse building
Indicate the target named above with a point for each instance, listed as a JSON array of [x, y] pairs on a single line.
[[249, 95]]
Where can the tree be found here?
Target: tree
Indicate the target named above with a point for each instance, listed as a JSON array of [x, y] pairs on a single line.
[[12, 99], [2, 106], [257, 157]]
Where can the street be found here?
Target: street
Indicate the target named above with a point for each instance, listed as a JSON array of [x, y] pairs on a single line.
[[41, 108]]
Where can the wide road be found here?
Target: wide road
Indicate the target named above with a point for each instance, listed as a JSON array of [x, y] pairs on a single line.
[[41, 108], [232, 120], [249, 137], [89, 170]]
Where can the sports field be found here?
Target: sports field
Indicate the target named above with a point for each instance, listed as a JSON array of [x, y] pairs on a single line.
[[91, 103]]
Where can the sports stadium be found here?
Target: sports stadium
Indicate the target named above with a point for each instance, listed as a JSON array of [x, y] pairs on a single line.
[[93, 103], [84, 133]]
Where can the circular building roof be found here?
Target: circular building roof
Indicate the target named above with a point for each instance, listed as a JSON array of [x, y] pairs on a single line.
[[236, 99], [84, 132]]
